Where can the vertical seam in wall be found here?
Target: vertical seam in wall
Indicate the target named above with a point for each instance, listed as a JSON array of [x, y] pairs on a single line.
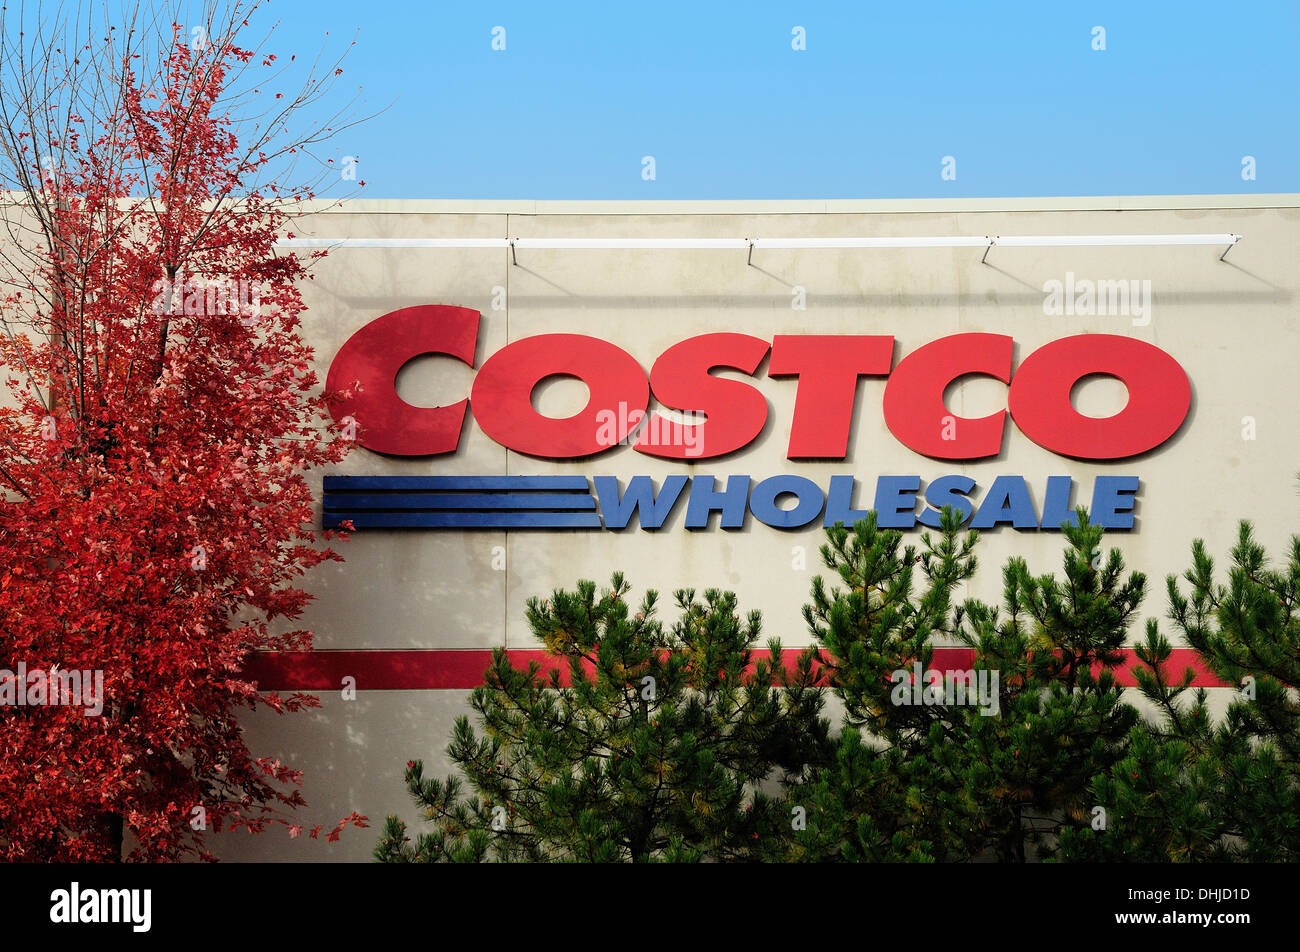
[[955, 221], [505, 576]]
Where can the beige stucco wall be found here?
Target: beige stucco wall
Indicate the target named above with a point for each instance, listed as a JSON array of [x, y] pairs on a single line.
[[1232, 325]]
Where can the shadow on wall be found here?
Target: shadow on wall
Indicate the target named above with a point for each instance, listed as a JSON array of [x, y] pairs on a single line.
[[352, 755]]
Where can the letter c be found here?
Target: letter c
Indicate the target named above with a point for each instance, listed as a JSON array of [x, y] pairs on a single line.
[[372, 357], [913, 402]]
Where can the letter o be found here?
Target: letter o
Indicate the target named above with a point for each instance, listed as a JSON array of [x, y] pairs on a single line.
[[762, 501], [1159, 396], [502, 397]]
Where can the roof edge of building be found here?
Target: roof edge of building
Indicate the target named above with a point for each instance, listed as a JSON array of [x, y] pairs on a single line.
[[425, 206]]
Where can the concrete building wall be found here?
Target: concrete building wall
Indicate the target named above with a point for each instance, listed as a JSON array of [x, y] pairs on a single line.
[[1232, 325]]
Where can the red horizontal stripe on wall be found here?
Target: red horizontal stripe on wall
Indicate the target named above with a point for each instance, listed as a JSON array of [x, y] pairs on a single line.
[[436, 669]]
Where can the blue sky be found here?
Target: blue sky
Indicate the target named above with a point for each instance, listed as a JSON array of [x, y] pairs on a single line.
[[1014, 92]]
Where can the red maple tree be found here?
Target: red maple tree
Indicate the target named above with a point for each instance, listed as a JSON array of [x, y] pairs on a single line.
[[158, 413]]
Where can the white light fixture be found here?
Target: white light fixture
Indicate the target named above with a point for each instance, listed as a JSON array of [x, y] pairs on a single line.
[[954, 241], [1079, 241], [715, 244], [391, 243]]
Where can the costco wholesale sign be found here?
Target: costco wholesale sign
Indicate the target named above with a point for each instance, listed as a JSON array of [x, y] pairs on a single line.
[[827, 368], [540, 393]]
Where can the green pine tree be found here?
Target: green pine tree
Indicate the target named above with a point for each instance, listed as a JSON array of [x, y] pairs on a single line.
[[657, 750], [1025, 774], [869, 804], [957, 781], [1196, 789]]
